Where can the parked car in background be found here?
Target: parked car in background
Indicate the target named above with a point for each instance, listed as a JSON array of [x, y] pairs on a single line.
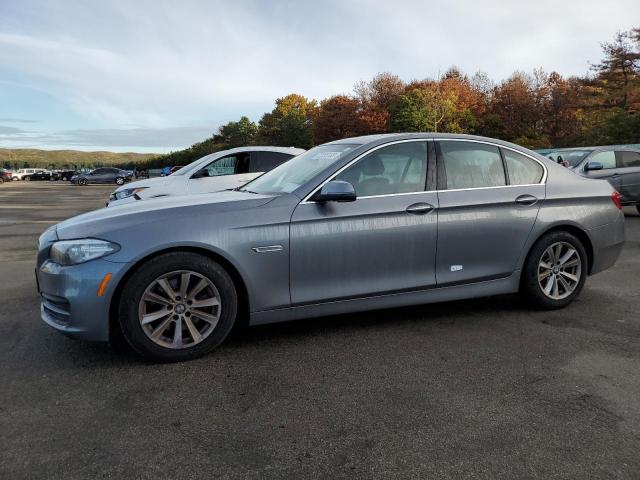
[[175, 168], [25, 173], [102, 175], [43, 175], [5, 175], [620, 166], [362, 223], [218, 171], [63, 174]]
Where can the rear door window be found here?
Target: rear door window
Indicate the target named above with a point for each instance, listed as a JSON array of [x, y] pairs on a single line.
[[265, 161], [628, 159], [471, 165]]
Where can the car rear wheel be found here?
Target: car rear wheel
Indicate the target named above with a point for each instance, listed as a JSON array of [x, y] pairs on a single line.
[[119, 181], [177, 307], [27, 178], [555, 270]]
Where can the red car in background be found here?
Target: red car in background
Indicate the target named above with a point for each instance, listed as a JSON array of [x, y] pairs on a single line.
[[5, 175]]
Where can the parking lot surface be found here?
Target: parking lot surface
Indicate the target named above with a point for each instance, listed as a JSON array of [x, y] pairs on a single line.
[[476, 389]]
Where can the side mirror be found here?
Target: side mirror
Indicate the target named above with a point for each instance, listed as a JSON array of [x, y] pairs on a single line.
[[592, 166], [336, 191]]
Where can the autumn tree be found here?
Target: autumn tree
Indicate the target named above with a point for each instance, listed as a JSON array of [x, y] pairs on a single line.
[[337, 117], [290, 123], [377, 97]]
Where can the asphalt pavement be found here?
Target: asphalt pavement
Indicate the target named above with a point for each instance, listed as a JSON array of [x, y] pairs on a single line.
[[473, 389]]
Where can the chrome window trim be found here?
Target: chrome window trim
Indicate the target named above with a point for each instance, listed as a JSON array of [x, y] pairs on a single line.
[[333, 175], [543, 181]]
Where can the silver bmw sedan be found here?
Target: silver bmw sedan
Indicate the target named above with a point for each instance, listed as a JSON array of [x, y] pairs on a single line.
[[361, 223]]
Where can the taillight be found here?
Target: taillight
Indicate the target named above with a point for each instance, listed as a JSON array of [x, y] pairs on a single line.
[[617, 199]]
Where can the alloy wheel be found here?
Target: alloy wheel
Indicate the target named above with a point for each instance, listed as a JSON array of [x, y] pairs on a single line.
[[559, 270], [179, 309]]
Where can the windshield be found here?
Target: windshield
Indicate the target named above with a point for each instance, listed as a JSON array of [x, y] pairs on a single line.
[[193, 166], [574, 157], [299, 170]]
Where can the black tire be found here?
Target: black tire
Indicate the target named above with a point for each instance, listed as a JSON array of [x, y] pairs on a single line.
[[119, 181], [27, 178], [638, 209], [529, 285], [82, 181], [136, 285]]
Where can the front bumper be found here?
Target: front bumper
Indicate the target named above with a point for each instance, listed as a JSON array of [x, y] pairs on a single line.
[[70, 301]]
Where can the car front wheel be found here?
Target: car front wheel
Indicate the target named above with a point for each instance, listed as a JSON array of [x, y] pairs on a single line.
[[28, 179], [555, 270], [178, 306], [119, 181]]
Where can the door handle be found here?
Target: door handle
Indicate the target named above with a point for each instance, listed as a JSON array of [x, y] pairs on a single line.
[[419, 208], [526, 200]]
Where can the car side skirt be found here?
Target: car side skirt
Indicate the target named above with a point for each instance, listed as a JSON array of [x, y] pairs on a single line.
[[487, 288]]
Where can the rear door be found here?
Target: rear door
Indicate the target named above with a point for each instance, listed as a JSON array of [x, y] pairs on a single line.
[[489, 199], [97, 176], [629, 169]]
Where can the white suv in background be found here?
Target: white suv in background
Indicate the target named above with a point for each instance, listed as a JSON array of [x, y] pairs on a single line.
[[212, 173], [26, 172]]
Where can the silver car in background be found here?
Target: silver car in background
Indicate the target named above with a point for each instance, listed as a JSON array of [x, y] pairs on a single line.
[[361, 223], [217, 171]]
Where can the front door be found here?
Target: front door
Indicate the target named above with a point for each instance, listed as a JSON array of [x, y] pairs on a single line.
[[489, 199], [383, 242], [609, 169]]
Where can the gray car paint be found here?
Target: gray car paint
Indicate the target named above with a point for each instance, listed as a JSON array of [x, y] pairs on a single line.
[[338, 258], [625, 180]]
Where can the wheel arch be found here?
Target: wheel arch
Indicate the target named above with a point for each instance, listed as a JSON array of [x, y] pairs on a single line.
[[574, 230], [232, 270]]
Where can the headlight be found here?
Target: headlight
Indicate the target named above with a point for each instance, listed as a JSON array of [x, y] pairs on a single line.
[[72, 252], [127, 192]]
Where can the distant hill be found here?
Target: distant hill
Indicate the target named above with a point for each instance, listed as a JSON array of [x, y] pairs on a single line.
[[30, 157]]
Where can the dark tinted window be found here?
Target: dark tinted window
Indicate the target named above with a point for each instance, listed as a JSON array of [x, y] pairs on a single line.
[[99, 171], [398, 168], [521, 169], [265, 161], [471, 165], [628, 159]]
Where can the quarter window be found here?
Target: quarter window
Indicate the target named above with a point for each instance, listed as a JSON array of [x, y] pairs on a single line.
[[397, 168], [606, 158], [471, 165], [522, 170]]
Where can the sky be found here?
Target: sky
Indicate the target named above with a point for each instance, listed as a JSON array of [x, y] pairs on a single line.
[[157, 76]]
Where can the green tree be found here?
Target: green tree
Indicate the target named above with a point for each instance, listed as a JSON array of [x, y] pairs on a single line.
[[290, 123], [425, 109], [238, 134]]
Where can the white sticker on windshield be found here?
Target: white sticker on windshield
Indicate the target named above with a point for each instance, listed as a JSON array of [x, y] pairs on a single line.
[[327, 155]]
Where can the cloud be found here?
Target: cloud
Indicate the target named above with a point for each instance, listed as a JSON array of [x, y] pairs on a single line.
[[18, 120], [163, 64], [147, 139]]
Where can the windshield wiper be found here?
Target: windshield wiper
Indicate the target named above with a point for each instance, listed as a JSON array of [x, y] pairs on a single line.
[[240, 189]]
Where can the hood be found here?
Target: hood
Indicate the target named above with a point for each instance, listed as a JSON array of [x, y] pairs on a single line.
[[152, 182], [99, 223]]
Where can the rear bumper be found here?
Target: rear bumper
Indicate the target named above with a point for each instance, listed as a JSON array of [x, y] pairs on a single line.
[[70, 302], [608, 241]]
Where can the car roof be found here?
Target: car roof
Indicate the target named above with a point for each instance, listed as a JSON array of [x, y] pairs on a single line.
[[390, 137]]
